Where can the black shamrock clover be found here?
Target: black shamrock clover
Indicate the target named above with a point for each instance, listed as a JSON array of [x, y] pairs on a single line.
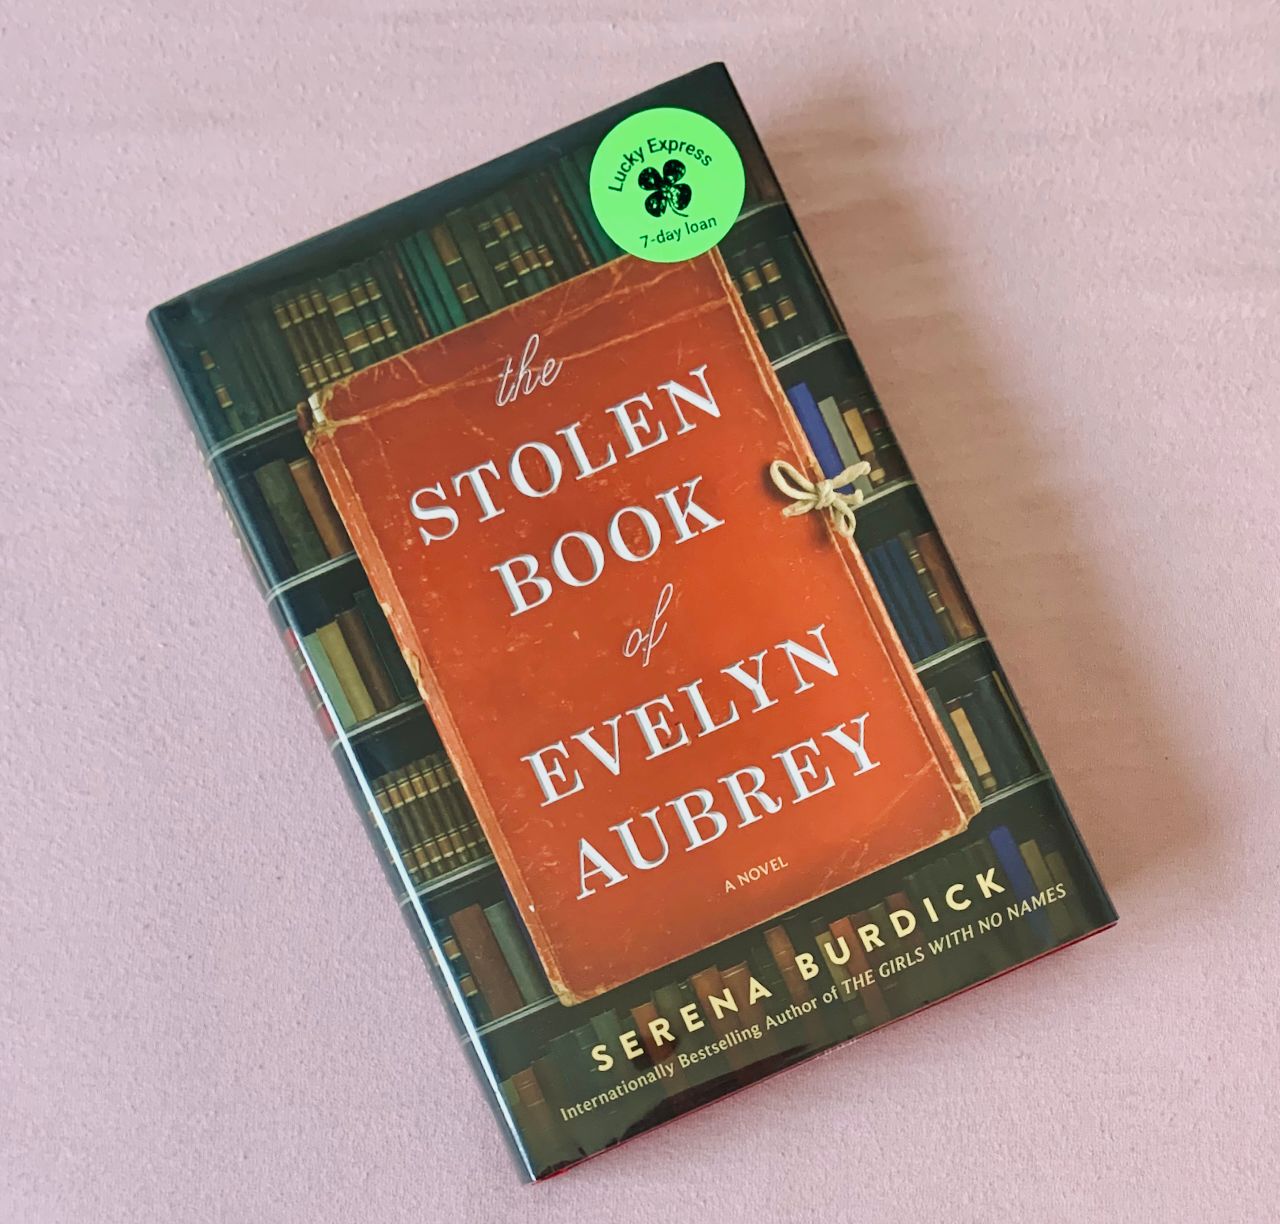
[[665, 189]]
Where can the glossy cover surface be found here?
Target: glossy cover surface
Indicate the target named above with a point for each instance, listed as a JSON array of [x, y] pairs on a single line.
[[487, 251], [772, 745]]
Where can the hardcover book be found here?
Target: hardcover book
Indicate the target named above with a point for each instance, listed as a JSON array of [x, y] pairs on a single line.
[[680, 740]]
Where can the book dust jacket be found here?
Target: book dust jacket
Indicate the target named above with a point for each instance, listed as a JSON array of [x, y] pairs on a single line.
[[670, 718]]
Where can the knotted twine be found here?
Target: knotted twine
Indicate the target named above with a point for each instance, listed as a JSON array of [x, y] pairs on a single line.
[[821, 495]]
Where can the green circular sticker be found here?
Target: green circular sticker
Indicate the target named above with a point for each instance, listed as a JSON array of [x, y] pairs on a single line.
[[667, 184]]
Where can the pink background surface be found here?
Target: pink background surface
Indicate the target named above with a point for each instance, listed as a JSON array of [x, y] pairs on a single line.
[[1052, 232]]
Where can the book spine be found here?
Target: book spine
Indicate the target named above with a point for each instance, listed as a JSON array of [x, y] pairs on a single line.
[[468, 245], [260, 528], [488, 967], [432, 782], [515, 948], [881, 573], [327, 678], [783, 954], [348, 674], [342, 309], [362, 295], [949, 588], [1061, 874], [949, 726], [815, 429], [981, 774], [936, 606], [573, 190], [275, 356], [498, 254], [1042, 877], [537, 1120], [870, 993], [781, 307], [461, 278], [404, 835], [289, 324], [226, 420], [843, 442], [547, 234], [708, 985], [1023, 738], [307, 678], [559, 211], [290, 514], [319, 505], [410, 328], [581, 158], [512, 228], [815, 309], [857, 428], [990, 719], [424, 291], [929, 632], [384, 640], [1020, 880], [421, 793], [643, 1015], [243, 394], [365, 655], [436, 851], [327, 337]]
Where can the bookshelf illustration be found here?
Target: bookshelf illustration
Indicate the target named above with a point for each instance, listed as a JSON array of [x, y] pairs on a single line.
[[249, 350]]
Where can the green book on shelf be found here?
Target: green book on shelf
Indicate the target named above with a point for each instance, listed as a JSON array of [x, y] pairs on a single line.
[[518, 954], [327, 679], [289, 511]]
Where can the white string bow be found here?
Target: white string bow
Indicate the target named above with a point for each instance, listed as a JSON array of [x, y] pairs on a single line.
[[809, 495]]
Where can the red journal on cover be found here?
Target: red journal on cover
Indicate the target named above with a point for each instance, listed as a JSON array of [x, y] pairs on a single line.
[[677, 712]]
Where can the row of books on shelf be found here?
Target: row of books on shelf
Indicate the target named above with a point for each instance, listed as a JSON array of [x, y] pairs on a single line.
[[842, 434], [492, 961], [987, 734], [431, 820], [781, 293], [357, 664], [719, 1011], [913, 573], [534, 232], [293, 516], [922, 593], [531, 234]]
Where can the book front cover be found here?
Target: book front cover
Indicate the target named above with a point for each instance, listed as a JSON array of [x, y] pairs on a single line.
[[677, 712]]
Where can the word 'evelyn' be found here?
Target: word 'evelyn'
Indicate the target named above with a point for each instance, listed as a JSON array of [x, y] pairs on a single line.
[[653, 729], [538, 468]]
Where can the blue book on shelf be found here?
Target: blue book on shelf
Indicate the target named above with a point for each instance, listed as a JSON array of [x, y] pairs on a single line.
[[886, 583], [1019, 876], [900, 583], [815, 429], [1010, 748], [931, 636]]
